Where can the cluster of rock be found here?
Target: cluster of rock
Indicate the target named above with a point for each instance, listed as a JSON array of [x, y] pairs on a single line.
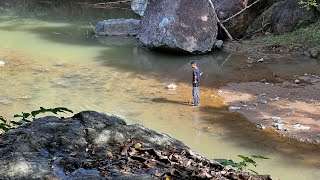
[[174, 25], [94, 146]]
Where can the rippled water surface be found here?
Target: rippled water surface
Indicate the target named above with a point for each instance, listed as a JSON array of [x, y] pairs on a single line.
[[52, 59]]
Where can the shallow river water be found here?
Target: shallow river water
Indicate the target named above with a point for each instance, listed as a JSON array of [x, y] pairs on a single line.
[[53, 60]]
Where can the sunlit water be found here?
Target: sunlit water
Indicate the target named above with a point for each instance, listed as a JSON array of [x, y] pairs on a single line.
[[54, 62]]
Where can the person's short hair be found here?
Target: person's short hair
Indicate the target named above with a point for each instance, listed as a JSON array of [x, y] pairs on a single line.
[[194, 62]]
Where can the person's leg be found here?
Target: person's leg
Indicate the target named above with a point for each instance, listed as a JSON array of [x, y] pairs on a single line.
[[197, 96], [195, 93]]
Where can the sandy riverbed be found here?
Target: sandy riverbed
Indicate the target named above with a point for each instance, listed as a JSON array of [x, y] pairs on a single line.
[[295, 104]]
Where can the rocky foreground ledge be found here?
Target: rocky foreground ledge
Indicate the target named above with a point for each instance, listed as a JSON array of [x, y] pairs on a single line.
[[93, 146]]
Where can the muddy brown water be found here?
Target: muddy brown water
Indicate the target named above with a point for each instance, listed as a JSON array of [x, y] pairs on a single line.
[[52, 61]]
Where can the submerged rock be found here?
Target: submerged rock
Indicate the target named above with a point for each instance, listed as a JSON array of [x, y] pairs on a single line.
[[91, 145], [116, 27], [2, 63], [172, 86], [234, 108], [301, 127], [175, 26]]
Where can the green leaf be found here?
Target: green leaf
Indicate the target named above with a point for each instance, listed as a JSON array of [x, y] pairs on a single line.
[[259, 157], [65, 109], [16, 123], [253, 171], [25, 115], [4, 127], [17, 115], [3, 120], [25, 120], [247, 159], [34, 113]]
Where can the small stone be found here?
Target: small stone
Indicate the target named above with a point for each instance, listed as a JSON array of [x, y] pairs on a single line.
[[300, 127], [218, 44], [260, 60], [2, 63], [172, 86], [306, 53], [278, 126], [234, 108], [297, 81], [263, 80], [261, 126], [263, 101], [313, 52], [277, 119]]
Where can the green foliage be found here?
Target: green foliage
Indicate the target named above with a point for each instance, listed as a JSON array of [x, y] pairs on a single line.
[[306, 34], [242, 165], [308, 3], [6, 125]]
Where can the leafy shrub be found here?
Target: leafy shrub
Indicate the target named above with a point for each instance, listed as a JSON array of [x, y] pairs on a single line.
[[242, 165], [6, 125]]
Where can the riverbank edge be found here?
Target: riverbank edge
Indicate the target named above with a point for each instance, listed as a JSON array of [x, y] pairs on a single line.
[[259, 52]]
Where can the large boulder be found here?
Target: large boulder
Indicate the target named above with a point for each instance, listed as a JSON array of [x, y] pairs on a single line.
[[289, 15], [238, 25], [180, 25], [139, 6], [97, 146], [263, 22], [116, 27]]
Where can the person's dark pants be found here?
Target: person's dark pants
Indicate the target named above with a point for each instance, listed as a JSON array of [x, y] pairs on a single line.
[[195, 93]]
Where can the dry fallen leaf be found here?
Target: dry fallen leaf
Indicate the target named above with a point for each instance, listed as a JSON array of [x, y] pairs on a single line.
[[137, 145]]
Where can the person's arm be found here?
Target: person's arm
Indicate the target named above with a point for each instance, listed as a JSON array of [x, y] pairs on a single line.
[[194, 76], [201, 74]]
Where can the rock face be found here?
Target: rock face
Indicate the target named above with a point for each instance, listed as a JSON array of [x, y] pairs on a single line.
[[115, 27], [263, 22], [238, 25], [174, 25], [96, 146], [289, 15], [139, 6]]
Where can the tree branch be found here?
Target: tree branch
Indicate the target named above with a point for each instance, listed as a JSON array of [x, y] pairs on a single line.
[[238, 13], [222, 26]]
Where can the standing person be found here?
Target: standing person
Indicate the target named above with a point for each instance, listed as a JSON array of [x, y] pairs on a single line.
[[195, 82]]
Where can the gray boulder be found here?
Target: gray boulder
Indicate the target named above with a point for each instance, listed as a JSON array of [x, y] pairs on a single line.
[[116, 27], [139, 6], [263, 23], [174, 25], [97, 146], [289, 15]]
